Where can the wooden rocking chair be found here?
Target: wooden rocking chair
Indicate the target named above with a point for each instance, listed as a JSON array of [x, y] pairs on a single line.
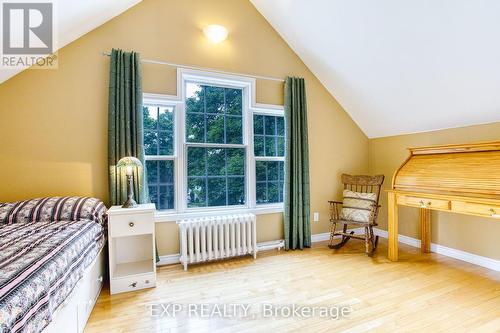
[[363, 184]]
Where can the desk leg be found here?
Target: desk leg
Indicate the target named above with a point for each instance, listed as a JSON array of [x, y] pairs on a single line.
[[425, 224], [393, 227]]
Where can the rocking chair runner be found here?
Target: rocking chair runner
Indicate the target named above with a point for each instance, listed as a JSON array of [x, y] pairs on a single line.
[[363, 184]]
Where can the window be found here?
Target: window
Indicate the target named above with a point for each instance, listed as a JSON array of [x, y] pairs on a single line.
[[212, 148], [269, 135], [269, 150], [216, 176], [215, 150], [159, 150]]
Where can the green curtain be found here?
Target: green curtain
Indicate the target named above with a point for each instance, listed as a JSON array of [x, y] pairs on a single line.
[[125, 125], [297, 199]]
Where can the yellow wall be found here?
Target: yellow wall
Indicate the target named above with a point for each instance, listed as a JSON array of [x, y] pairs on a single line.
[[471, 234], [53, 124]]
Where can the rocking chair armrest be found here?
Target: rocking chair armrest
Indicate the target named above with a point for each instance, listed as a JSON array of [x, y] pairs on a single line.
[[335, 209]]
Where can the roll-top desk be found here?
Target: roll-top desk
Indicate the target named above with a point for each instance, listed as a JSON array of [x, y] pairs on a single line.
[[462, 179]]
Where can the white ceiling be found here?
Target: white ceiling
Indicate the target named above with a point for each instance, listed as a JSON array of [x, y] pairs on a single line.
[[399, 66], [77, 17]]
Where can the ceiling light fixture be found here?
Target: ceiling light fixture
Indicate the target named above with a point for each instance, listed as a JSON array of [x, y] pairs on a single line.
[[216, 33]]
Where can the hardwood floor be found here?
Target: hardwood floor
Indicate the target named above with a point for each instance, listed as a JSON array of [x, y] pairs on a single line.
[[421, 292]]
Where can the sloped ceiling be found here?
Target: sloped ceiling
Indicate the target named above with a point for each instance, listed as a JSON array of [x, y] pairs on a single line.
[[77, 17], [399, 66]]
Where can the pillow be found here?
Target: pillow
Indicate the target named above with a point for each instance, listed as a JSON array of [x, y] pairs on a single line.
[[358, 207], [53, 209]]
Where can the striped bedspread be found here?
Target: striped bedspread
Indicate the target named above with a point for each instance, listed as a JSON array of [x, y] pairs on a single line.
[[40, 264]]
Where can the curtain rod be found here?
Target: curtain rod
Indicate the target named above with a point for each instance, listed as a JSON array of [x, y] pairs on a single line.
[[159, 62]]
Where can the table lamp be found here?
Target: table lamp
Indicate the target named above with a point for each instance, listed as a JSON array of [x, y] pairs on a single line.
[[129, 163]]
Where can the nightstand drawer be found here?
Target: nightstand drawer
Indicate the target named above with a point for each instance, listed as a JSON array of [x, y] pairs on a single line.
[[131, 224], [131, 283]]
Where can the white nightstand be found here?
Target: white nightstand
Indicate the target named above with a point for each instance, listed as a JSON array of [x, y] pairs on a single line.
[[131, 238]]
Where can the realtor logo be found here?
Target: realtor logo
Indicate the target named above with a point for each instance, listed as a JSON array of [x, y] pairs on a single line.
[[28, 34]]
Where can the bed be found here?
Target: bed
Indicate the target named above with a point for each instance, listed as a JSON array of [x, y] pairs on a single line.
[[51, 263]]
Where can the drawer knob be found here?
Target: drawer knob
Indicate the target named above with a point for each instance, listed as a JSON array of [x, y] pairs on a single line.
[[147, 281], [133, 284], [131, 224], [494, 214], [424, 205]]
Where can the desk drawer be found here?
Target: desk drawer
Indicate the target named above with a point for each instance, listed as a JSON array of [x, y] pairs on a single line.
[[131, 225], [422, 202], [476, 209]]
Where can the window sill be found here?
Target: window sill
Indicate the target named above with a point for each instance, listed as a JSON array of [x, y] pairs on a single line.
[[166, 216]]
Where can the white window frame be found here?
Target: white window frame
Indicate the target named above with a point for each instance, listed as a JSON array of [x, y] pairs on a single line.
[[264, 112], [250, 107]]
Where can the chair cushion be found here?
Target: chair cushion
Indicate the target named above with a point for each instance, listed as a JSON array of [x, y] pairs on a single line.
[[358, 206]]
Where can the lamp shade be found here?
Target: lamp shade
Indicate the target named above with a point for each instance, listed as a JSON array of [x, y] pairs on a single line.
[[128, 162]]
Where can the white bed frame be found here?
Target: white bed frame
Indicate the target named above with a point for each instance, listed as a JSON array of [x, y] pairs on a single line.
[[72, 315]]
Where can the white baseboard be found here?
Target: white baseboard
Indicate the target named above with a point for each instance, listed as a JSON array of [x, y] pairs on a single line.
[[440, 249], [169, 259], [447, 251]]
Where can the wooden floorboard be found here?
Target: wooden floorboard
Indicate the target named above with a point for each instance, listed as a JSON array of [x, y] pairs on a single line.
[[421, 292]]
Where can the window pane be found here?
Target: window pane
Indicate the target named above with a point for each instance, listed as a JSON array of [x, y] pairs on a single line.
[[166, 171], [222, 180], [150, 115], [195, 127], [158, 130], [166, 141], [258, 124], [213, 114], [269, 181], [215, 128], [270, 125], [280, 124], [152, 171], [214, 97], [234, 130], [272, 192], [270, 145], [261, 171], [217, 191], [196, 192], [273, 142], [166, 200], [235, 161], [166, 119], [258, 145], [160, 176], [196, 161], [236, 190], [261, 192], [272, 171], [150, 143], [233, 101], [216, 161], [195, 98], [281, 146], [153, 195]]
